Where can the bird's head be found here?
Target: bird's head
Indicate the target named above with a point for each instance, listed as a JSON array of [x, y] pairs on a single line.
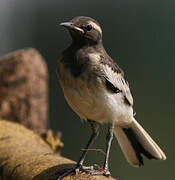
[[84, 29]]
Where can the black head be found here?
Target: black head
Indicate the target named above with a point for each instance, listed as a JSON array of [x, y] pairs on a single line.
[[84, 29]]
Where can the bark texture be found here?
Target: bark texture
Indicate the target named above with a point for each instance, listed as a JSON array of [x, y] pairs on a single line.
[[24, 89], [24, 155]]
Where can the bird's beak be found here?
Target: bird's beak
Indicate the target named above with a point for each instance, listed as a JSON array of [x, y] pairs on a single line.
[[71, 26]]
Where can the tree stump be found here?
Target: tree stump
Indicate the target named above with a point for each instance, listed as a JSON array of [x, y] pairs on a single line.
[[24, 89]]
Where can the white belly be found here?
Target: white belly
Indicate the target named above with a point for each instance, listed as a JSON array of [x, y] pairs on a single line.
[[86, 102], [98, 104], [91, 100]]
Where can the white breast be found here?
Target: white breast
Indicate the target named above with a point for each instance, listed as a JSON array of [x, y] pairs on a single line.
[[93, 101]]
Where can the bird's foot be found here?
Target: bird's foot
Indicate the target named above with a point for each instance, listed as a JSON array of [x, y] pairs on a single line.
[[75, 170], [107, 173], [93, 170], [99, 171]]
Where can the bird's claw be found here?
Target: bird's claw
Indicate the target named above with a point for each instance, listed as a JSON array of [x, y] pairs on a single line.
[[107, 173], [93, 170], [100, 172], [97, 170]]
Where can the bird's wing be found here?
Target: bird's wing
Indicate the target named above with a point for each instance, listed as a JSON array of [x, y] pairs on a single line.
[[116, 82]]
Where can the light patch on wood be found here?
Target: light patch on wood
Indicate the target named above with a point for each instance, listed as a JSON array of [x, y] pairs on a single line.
[[95, 26]]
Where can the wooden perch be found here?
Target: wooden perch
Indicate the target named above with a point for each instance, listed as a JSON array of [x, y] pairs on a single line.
[[24, 155], [24, 89]]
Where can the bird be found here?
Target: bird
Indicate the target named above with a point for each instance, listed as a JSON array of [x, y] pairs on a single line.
[[97, 90]]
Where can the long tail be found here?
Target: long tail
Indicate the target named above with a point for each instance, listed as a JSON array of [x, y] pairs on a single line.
[[135, 141]]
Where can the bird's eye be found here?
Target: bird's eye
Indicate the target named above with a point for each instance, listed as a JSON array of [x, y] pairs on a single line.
[[88, 27]]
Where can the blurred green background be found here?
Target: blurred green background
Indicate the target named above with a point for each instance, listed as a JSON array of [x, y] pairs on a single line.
[[139, 35]]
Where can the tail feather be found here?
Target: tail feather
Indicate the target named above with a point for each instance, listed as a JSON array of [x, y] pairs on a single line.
[[138, 148], [147, 142], [135, 141], [127, 147]]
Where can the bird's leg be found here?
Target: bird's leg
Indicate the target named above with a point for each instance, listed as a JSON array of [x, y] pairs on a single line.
[[109, 138], [94, 126]]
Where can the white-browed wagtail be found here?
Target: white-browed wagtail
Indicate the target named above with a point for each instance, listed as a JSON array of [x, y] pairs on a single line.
[[96, 89]]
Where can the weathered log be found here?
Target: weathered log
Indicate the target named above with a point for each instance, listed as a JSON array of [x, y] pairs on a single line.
[[24, 155], [24, 89]]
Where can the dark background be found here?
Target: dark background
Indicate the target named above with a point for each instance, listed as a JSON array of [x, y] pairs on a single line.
[[139, 34]]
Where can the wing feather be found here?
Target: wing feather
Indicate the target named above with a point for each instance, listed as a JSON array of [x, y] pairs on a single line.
[[118, 81]]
